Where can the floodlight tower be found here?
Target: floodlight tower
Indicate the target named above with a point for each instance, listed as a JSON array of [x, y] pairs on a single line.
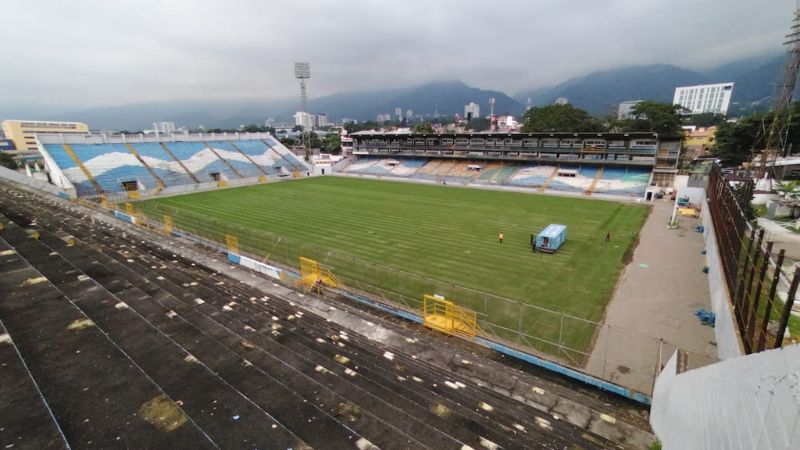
[[302, 71], [777, 133], [492, 118]]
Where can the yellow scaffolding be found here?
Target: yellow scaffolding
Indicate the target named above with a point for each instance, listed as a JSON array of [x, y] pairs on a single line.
[[168, 225], [232, 242], [313, 277], [445, 316]]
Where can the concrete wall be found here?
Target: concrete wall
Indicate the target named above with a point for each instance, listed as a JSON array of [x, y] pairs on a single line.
[[749, 402], [696, 195], [728, 343], [40, 185]]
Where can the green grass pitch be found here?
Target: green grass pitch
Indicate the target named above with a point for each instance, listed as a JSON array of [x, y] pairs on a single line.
[[449, 235]]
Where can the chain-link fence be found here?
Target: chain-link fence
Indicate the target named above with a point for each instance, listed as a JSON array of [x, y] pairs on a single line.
[[610, 353]]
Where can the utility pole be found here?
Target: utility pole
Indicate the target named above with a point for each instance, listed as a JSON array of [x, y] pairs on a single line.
[[776, 133]]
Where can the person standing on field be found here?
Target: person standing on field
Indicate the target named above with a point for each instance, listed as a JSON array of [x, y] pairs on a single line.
[[608, 236], [501, 236]]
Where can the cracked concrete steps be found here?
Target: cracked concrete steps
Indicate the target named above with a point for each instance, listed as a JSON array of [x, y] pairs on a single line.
[[94, 390]]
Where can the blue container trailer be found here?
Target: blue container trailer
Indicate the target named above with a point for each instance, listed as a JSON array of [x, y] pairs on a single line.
[[551, 238]]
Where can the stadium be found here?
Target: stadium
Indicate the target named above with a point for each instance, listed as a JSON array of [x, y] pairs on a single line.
[[428, 291]]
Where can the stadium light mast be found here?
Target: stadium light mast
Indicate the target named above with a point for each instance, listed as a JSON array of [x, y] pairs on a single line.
[[777, 133], [302, 71]]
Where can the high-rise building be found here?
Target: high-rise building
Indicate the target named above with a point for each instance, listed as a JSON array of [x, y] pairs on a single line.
[[409, 114], [22, 131], [383, 118], [321, 120], [398, 113], [704, 98], [625, 109], [270, 123], [304, 120], [164, 127], [472, 111]]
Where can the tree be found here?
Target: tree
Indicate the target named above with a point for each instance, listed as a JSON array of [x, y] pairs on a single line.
[[8, 161], [788, 189], [478, 124], [289, 142], [332, 143], [706, 120], [739, 142], [558, 118], [422, 128], [735, 142], [655, 117]]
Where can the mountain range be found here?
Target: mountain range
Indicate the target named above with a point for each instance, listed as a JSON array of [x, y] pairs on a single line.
[[598, 92]]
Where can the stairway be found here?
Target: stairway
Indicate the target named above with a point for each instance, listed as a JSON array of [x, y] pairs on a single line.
[[597, 177], [155, 176], [85, 171], [549, 180], [227, 163], [180, 163]]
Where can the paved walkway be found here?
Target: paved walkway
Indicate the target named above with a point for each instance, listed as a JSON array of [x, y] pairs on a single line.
[[655, 300]]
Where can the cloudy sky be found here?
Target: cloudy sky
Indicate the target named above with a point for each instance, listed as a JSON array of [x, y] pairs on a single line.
[[75, 54]]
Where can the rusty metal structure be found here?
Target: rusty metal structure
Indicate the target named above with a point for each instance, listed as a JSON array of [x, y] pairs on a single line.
[[752, 270]]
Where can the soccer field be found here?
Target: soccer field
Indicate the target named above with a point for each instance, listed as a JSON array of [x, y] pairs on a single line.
[[443, 233]]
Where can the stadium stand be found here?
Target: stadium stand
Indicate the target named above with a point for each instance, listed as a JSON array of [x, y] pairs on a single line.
[[567, 162], [97, 167], [128, 344]]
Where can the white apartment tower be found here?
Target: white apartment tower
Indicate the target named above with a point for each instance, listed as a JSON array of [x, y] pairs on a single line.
[[704, 98], [472, 111]]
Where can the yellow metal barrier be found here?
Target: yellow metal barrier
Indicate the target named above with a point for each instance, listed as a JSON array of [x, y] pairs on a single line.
[[221, 183], [134, 195], [445, 316], [262, 179], [168, 226], [296, 174], [129, 209], [312, 276], [232, 243]]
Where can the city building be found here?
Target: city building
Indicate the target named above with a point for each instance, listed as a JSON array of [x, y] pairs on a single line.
[[472, 111], [704, 98], [697, 141], [398, 113], [383, 118], [561, 101], [409, 114], [23, 132], [164, 127], [625, 109], [321, 120], [269, 123], [7, 145], [304, 120]]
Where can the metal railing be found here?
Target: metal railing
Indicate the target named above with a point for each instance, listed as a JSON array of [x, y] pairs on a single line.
[[752, 269]]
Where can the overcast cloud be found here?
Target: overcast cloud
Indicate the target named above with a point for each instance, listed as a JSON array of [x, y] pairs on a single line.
[[74, 54]]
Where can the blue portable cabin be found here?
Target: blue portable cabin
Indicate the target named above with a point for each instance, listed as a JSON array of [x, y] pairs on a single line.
[[551, 238]]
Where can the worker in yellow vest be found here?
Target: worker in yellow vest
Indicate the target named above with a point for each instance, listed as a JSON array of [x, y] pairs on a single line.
[[501, 236]]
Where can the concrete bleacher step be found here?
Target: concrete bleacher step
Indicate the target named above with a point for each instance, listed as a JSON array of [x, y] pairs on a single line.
[[94, 390], [27, 421]]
